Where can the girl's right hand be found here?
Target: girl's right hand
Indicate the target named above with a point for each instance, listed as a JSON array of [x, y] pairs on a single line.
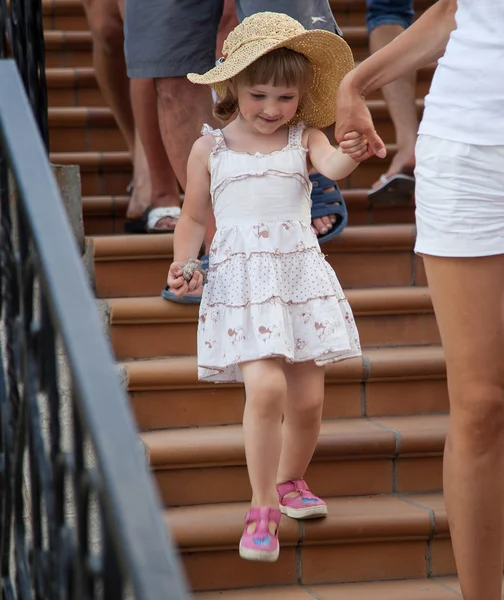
[[178, 285]]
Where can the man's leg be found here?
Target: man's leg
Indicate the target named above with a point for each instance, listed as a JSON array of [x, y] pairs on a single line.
[[106, 24], [386, 19]]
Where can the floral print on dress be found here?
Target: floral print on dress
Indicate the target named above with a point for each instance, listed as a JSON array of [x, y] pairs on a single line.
[[270, 290]]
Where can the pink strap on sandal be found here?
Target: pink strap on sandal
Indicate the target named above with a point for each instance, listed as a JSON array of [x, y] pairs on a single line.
[[303, 506], [261, 544]]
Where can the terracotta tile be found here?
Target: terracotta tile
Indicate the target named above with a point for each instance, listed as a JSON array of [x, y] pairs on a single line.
[[224, 569], [90, 97], [166, 409], [63, 139], [363, 562], [419, 475], [342, 400], [105, 140], [372, 269], [416, 589], [180, 487], [350, 478], [442, 560], [397, 330], [418, 433], [291, 593], [353, 437], [146, 340], [453, 584], [126, 278], [366, 518], [61, 97], [435, 503], [413, 396], [218, 526]]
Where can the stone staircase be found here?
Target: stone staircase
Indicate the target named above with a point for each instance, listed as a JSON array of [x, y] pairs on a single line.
[[379, 458]]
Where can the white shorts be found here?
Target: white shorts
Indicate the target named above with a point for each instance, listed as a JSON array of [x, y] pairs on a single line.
[[459, 198]]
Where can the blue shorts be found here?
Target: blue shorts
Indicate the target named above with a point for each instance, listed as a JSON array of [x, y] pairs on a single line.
[[389, 12], [170, 38]]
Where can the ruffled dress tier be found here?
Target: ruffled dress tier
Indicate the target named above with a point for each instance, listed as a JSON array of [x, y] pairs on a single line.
[[270, 291]]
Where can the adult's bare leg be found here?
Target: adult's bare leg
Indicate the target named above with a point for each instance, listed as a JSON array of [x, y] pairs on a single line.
[[164, 186], [105, 19], [400, 97], [468, 297]]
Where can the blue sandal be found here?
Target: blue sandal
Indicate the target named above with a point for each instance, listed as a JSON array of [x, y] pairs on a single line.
[[167, 294], [327, 200]]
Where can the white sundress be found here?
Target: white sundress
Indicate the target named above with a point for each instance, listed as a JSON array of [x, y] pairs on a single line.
[[270, 291]]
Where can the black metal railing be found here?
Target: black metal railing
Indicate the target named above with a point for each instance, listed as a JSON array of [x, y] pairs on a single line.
[[21, 27], [79, 517]]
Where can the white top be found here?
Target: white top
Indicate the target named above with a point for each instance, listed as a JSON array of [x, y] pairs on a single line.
[[466, 100]]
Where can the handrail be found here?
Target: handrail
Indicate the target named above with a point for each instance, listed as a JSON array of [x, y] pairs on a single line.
[[45, 297]]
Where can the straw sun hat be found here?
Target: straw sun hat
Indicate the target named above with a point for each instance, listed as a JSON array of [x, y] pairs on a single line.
[[329, 54]]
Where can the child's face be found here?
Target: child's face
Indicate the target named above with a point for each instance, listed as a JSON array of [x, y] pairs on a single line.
[[267, 107]]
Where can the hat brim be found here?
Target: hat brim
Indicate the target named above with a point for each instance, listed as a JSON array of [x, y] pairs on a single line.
[[331, 59]]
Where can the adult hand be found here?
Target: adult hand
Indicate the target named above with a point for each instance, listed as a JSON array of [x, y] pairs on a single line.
[[353, 115]]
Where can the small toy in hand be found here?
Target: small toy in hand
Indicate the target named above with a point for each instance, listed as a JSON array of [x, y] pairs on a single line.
[[192, 266]]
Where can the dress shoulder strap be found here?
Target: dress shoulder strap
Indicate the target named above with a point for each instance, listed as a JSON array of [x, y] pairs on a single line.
[[220, 142], [296, 134]]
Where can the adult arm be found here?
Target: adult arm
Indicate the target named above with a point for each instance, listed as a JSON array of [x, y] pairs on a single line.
[[421, 44]]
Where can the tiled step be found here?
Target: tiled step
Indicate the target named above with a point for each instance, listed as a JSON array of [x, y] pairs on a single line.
[[74, 48], [105, 215], [434, 588], [102, 173], [353, 12], [77, 86], [72, 87], [69, 14], [382, 455], [108, 173], [140, 327], [363, 256], [84, 130], [165, 392], [64, 15], [68, 49], [362, 539]]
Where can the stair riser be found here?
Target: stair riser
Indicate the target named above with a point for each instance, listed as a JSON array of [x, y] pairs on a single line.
[[108, 138], [68, 57], [61, 22], [332, 563], [80, 95], [148, 340], [75, 95], [110, 224], [331, 478], [199, 405], [86, 139], [365, 269]]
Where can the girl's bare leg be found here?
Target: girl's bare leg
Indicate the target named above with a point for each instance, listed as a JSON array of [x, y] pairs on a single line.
[[266, 390], [302, 418], [468, 297]]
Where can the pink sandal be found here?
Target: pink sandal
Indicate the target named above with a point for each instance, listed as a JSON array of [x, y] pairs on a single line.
[[261, 544], [303, 506]]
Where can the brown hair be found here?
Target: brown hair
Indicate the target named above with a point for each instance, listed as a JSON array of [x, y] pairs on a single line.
[[282, 66]]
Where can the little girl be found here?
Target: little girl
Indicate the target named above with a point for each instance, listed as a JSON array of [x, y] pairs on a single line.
[[272, 312]]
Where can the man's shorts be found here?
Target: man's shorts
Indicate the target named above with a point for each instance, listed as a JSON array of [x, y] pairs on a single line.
[[170, 38]]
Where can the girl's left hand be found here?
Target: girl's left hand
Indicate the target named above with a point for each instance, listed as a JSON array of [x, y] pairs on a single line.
[[355, 145]]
